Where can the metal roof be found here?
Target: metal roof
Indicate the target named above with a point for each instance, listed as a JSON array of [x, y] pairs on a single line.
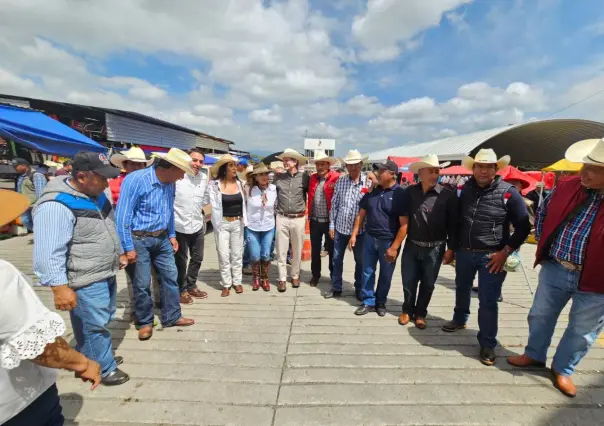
[[533, 144]]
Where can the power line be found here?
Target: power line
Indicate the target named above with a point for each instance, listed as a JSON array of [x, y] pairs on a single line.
[[576, 103]]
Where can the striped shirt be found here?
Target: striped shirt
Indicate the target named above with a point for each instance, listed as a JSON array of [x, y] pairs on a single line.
[[38, 179], [319, 203], [571, 243], [145, 205], [345, 203]]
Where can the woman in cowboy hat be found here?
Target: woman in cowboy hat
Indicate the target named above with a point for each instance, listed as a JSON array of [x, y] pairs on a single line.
[[570, 230], [31, 346], [292, 188], [229, 217], [127, 161], [487, 207], [260, 232]]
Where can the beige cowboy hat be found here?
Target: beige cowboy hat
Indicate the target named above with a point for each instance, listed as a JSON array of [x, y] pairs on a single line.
[[430, 160], [320, 155], [588, 151], [243, 176], [276, 165], [292, 153], [260, 169], [223, 159], [353, 157], [486, 156], [178, 158], [13, 205], [134, 154]]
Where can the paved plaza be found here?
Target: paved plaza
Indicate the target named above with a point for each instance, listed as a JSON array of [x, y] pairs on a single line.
[[296, 359]]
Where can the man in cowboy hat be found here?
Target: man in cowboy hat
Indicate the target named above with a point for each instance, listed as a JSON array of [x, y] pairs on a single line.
[[128, 161], [570, 230], [487, 207], [292, 188], [320, 193], [432, 214], [145, 224], [347, 195], [77, 254], [189, 222]]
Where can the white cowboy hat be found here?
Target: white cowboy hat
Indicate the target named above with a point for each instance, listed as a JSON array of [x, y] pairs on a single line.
[[178, 158], [276, 165], [292, 153], [353, 157], [486, 156], [427, 161], [243, 176], [134, 154], [226, 158], [588, 151], [320, 155]]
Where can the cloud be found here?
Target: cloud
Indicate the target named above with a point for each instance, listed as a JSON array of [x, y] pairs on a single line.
[[389, 27], [266, 116]]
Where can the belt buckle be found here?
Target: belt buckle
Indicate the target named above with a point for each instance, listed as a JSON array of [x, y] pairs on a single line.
[[570, 266]]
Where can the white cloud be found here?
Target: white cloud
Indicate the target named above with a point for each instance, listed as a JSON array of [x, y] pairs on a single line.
[[10, 82], [266, 116], [211, 110], [390, 26]]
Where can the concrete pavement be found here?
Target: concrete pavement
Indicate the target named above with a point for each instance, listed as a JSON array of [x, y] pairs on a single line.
[[294, 358]]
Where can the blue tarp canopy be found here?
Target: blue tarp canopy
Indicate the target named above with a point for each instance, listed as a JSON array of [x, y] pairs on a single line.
[[37, 131]]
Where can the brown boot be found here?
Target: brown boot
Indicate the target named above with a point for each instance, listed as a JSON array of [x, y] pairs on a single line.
[[281, 287], [420, 323], [564, 384], [255, 276], [264, 269], [524, 361], [404, 319]]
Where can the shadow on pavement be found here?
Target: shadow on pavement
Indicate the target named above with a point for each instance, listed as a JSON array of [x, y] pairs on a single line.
[[72, 404]]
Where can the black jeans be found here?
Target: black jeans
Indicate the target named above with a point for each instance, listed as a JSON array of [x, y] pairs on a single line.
[[318, 230], [189, 245], [44, 411], [420, 264]]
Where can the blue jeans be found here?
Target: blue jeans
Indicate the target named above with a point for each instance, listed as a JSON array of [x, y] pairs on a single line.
[[340, 244], [374, 250], [259, 244], [557, 286], [27, 221], [96, 308], [246, 251], [419, 264], [159, 251], [467, 264]]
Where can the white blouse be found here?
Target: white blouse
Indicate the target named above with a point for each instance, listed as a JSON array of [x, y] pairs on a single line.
[[261, 218], [26, 327]]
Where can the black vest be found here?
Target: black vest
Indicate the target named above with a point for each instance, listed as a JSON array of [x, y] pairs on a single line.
[[484, 216]]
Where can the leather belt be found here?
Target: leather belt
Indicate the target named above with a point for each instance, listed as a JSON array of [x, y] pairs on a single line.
[[573, 267], [149, 234], [292, 216], [427, 243], [231, 218], [486, 250]]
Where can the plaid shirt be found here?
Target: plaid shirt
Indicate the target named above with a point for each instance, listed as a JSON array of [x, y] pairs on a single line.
[[571, 242], [345, 203], [319, 203]]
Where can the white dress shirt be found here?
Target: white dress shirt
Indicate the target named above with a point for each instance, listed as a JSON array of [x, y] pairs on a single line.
[[26, 327], [188, 203], [261, 218]]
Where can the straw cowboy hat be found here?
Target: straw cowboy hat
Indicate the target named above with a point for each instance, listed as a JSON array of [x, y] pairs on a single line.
[[222, 160], [276, 165], [260, 169], [292, 153], [320, 155], [588, 151], [427, 161], [249, 169], [178, 158], [486, 156], [134, 154], [13, 205], [353, 157]]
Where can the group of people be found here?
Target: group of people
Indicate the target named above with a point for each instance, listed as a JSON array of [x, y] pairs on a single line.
[[147, 216]]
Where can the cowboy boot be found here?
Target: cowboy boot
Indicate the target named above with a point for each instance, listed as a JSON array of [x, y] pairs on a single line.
[[255, 276], [264, 268]]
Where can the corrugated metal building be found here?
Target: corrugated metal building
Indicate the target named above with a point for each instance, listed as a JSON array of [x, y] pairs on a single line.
[[533, 144]]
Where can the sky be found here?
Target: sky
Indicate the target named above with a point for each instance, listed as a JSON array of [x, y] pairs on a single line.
[[371, 74]]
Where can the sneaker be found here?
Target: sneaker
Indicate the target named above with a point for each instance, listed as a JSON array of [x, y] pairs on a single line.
[[364, 309], [452, 326], [381, 310], [487, 356]]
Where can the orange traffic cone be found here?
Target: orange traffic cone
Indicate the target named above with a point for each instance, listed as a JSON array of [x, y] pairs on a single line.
[[306, 248]]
